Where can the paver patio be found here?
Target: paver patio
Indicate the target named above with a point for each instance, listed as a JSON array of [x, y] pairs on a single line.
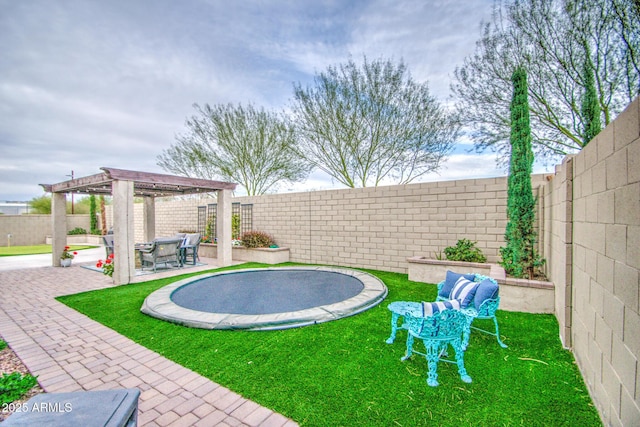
[[70, 352]]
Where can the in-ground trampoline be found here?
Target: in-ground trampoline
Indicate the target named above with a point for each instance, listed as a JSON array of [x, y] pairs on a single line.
[[266, 298]]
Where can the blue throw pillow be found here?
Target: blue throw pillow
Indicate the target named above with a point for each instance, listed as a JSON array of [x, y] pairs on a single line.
[[464, 291], [450, 281], [487, 289]]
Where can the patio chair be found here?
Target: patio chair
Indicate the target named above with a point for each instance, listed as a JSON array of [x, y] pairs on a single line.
[[482, 304], [189, 247], [441, 324], [108, 244], [160, 251]]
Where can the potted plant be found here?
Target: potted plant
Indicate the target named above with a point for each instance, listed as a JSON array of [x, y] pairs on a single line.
[[66, 257]]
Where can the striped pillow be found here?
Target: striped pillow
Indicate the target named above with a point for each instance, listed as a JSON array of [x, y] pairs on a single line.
[[464, 291], [431, 308], [450, 281]]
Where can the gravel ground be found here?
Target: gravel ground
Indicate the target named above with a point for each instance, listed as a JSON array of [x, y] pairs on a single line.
[[10, 363]]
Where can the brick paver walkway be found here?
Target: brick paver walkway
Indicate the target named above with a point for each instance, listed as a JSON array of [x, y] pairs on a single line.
[[70, 352]]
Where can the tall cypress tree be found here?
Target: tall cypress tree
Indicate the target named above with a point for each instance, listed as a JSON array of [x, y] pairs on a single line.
[[519, 257], [590, 108]]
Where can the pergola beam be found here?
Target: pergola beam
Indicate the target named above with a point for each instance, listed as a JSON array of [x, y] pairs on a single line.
[[153, 179], [145, 184], [75, 185]]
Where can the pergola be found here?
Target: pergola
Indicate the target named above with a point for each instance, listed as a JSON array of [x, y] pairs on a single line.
[[124, 185]]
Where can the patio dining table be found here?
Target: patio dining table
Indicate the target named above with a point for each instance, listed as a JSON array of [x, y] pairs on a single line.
[[140, 248]]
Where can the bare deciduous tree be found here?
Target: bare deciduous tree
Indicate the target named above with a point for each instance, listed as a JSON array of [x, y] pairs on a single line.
[[548, 38], [252, 147], [362, 125]]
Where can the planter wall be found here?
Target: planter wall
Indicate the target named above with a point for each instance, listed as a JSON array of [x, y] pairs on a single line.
[[530, 296], [240, 253]]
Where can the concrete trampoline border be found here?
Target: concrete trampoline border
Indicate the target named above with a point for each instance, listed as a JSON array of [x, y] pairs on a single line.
[[158, 304]]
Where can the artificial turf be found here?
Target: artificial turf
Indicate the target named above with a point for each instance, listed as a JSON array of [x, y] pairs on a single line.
[[342, 373]]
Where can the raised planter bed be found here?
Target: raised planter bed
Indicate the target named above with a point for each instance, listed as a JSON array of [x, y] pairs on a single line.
[[240, 253], [530, 296]]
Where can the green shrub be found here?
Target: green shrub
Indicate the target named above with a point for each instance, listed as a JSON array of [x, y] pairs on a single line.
[[77, 230], [14, 386], [3, 345], [256, 239], [465, 250]]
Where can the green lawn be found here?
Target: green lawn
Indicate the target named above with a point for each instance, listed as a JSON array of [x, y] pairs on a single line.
[[35, 249], [342, 373]]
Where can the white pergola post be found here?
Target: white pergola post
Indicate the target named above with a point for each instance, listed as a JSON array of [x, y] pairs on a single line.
[[149, 219], [58, 227], [123, 232], [223, 228]]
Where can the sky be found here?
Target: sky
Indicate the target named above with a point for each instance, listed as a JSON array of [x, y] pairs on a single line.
[[87, 84]]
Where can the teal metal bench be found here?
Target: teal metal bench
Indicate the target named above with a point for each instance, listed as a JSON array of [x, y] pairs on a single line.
[[485, 304]]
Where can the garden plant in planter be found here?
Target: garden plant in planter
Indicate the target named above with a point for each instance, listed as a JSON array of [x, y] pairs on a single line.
[[465, 250], [67, 257], [257, 239]]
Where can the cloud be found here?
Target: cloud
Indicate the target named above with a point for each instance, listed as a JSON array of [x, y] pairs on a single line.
[[91, 84], [432, 37]]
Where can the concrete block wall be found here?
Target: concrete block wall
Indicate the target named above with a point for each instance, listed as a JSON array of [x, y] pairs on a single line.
[[33, 229], [556, 214], [376, 228], [605, 273], [172, 216], [381, 227]]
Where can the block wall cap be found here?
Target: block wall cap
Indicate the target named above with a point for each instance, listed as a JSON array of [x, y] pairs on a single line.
[[525, 283], [279, 249]]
